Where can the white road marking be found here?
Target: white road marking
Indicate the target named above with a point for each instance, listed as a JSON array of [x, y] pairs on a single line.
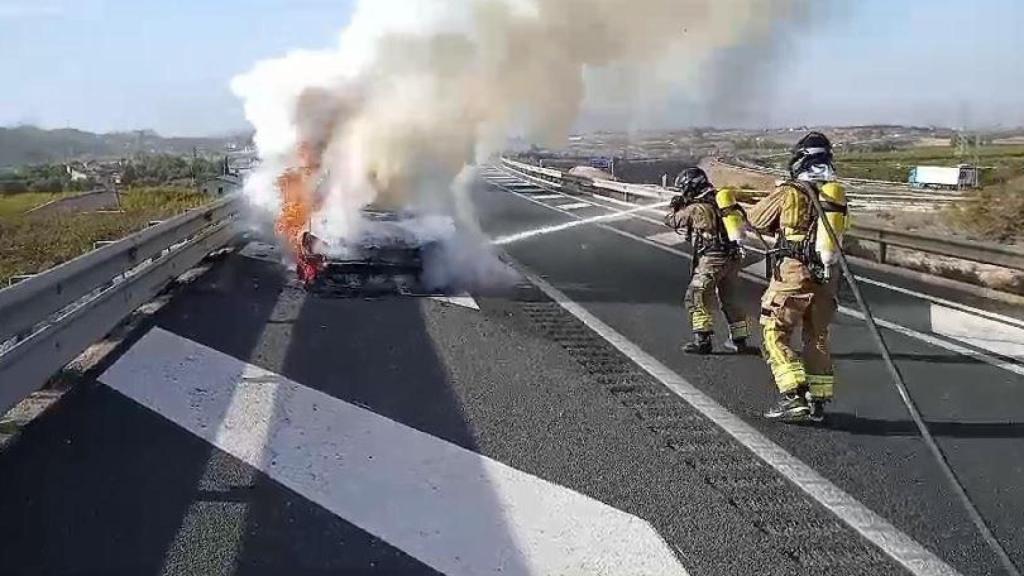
[[928, 297], [908, 552], [576, 222], [755, 273], [947, 303], [978, 332], [575, 206], [547, 196], [464, 300], [929, 339], [945, 344], [452, 509], [524, 185], [668, 238]]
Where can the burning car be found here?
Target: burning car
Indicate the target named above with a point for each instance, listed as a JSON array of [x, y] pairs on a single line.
[[385, 257]]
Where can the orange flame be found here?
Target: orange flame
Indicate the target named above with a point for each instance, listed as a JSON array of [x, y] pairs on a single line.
[[298, 199]]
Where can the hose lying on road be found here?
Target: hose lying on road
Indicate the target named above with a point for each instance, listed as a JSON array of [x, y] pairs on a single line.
[[908, 401]]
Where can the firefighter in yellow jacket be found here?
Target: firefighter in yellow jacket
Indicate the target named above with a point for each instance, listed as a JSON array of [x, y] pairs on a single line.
[[803, 289], [713, 225]]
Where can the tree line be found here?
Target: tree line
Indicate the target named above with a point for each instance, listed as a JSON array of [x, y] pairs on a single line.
[[149, 170]]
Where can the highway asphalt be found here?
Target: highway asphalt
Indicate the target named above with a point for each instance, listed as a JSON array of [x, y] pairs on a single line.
[[870, 447], [91, 202], [124, 477]]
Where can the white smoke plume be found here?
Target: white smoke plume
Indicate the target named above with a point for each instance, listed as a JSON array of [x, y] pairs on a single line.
[[418, 91]]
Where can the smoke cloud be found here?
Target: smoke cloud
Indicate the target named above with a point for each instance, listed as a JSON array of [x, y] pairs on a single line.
[[418, 91]]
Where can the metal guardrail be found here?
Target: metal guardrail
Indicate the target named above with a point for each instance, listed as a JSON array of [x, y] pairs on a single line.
[[47, 320], [559, 179], [978, 252]]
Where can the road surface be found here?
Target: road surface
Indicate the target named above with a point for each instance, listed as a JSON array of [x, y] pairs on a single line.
[[87, 202], [546, 425]]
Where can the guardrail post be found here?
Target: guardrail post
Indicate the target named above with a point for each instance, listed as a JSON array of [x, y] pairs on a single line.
[[883, 252]]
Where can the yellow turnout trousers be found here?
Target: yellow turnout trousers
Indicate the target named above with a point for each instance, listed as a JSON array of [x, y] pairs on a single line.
[[794, 299], [716, 280]]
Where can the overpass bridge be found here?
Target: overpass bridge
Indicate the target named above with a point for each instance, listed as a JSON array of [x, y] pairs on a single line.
[[219, 419]]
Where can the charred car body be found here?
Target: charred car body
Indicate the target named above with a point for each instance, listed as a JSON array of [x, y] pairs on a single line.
[[386, 257]]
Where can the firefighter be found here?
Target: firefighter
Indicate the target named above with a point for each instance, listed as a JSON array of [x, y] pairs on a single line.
[[802, 292], [713, 231]]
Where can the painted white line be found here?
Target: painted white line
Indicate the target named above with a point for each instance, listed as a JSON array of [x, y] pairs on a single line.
[[905, 550], [755, 273], [978, 332], [452, 509], [547, 196], [596, 200], [463, 300], [575, 223], [576, 206], [524, 185], [947, 303], [668, 238], [934, 341]]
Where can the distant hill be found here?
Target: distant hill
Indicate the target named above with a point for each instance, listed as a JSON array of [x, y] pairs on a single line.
[[31, 145]]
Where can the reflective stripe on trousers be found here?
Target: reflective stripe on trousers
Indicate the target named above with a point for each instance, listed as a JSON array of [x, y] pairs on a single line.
[[793, 300], [822, 386], [739, 330], [715, 282]]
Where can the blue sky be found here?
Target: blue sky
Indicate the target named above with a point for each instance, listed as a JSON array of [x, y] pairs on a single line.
[[122, 64]]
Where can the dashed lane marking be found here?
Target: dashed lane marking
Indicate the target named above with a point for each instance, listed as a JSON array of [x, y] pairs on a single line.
[[905, 550], [668, 238], [977, 331], [457, 511], [575, 206], [755, 273], [464, 300]]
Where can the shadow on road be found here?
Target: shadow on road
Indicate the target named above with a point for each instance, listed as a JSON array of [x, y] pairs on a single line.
[[950, 358], [373, 353], [101, 485], [876, 427]]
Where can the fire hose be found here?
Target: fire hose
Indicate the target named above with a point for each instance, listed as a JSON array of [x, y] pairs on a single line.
[[908, 401]]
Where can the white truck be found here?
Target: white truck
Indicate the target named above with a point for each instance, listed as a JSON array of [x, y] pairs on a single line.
[[962, 176]]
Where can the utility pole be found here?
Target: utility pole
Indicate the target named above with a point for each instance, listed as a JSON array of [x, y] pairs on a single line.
[[195, 154]]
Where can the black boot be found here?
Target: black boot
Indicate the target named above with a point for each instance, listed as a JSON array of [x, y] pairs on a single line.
[[741, 347], [817, 407], [792, 407], [701, 344]]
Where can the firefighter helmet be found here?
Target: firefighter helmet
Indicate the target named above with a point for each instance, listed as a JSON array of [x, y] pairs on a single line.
[[694, 183], [813, 156]]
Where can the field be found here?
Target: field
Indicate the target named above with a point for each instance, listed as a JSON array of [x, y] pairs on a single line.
[[31, 243], [999, 163], [14, 204]]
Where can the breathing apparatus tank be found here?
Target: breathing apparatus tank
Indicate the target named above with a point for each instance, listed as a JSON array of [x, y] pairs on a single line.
[[732, 214], [833, 201]]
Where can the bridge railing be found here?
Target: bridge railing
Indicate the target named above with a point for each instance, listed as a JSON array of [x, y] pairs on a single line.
[[47, 320], [978, 252]]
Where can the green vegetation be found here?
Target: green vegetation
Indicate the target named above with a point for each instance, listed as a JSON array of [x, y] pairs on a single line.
[[32, 243], [30, 145], [161, 169], [999, 163], [51, 178], [13, 204], [993, 213]]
